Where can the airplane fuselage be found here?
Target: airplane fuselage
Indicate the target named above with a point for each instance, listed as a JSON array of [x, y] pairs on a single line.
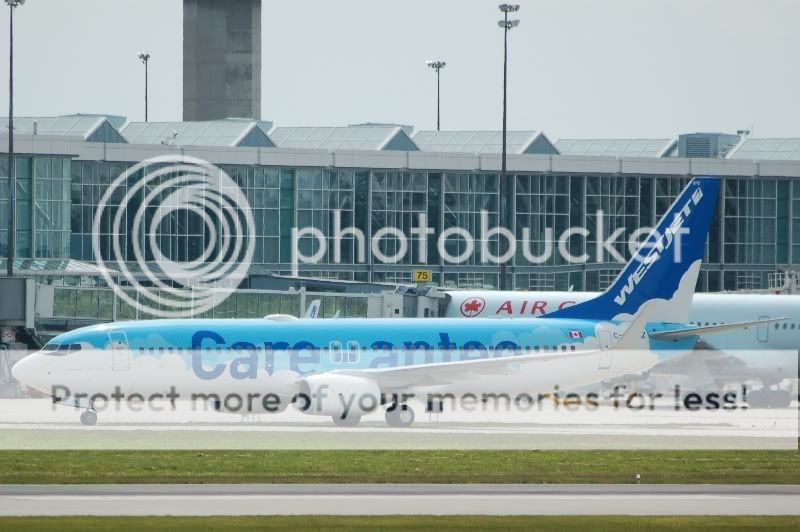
[[264, 355], [706, 309]]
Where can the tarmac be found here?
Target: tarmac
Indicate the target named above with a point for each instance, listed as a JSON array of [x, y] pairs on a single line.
[[38, 424], [397, 499]]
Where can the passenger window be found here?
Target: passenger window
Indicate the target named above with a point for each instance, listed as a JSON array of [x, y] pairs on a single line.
[[572, 348], [785, 326], [336, 353], [353, 352]]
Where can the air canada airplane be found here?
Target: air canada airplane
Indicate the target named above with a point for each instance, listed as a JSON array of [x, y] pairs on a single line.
[[348, 368], [705, 310], [748, 336]]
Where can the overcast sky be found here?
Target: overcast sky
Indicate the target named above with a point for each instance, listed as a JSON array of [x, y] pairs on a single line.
[[578, 68]]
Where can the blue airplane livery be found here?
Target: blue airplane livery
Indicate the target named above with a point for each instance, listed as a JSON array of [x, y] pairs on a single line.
[[321, 364]]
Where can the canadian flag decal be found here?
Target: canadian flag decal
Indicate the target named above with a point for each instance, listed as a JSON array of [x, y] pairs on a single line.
[[575, 334]]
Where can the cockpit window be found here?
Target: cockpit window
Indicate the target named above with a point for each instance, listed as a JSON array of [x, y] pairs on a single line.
[[55, 350], [59, 350]]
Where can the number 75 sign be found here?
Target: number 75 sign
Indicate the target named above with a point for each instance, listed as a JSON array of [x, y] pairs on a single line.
[[423, 276]]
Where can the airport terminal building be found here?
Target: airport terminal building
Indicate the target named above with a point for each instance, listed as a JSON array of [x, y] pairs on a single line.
[[379, 175]]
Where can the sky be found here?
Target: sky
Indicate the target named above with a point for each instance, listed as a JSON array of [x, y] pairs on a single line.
[[577, 68]]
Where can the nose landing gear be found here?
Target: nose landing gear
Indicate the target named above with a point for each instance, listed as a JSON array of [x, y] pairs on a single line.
[[89, 418]]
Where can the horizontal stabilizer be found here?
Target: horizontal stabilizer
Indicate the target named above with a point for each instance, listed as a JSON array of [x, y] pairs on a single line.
[[710, 329]]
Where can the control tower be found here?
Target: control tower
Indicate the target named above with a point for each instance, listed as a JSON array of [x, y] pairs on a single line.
[[221, 59]]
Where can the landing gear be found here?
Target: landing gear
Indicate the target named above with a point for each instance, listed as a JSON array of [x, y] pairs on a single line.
[[347, 421], [89, 418], [401, 416]]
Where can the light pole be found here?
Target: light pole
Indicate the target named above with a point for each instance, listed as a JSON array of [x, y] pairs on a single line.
[[12, 171], [502, 206], [438, 66], [144, 57]]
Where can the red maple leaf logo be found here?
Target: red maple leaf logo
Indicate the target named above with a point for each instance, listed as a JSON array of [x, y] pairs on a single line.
[[472, 307]]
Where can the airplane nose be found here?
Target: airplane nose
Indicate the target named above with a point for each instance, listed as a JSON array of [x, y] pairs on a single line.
[[22, 371], [18, 370]]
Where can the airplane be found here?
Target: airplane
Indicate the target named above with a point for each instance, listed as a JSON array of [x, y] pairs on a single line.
[[706, 309], [762, 342], [312, 313], [323, 366]]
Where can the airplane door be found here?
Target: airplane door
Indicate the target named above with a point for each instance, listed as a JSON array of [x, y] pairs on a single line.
[[606, 356], [763, 330], [120, 353]]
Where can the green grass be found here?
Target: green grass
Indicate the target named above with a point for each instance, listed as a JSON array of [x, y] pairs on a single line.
[[400, 523], [718, 467]]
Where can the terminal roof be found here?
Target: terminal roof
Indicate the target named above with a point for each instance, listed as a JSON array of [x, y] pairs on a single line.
[[484, 142], [357, 137], [617, 147], [231, 132], [787, 149], [91, 128]]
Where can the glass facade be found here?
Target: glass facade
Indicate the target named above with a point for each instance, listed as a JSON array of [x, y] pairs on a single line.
[[42, 209], [756, 229]]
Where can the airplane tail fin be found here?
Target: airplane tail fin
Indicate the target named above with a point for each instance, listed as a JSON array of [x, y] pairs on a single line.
[[665, 268], [313, 310]]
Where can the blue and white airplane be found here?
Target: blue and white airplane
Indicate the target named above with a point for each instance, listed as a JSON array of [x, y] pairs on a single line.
[[348, 368]]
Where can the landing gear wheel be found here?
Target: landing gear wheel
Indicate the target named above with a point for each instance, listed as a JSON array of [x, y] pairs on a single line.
[[401, 416], [347, 421], [89, 418]]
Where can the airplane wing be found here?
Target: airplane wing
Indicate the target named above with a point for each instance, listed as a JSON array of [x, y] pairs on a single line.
[[710, 329], [450, 372]]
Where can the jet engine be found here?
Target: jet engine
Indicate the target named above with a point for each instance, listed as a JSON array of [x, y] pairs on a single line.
[[339, 396]]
